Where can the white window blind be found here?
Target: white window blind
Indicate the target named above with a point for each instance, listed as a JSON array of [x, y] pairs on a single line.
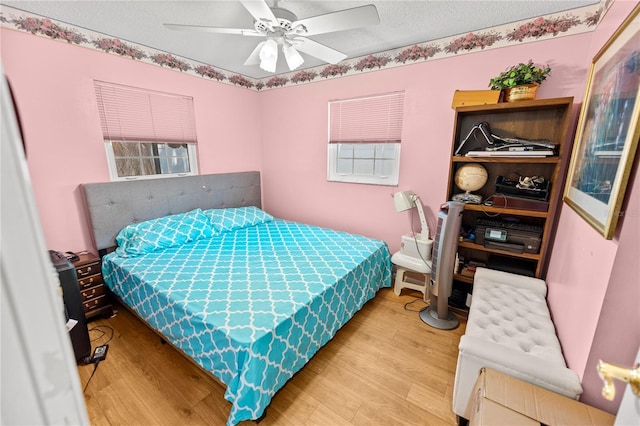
[[364, 139], [131, 114], [368, 119]]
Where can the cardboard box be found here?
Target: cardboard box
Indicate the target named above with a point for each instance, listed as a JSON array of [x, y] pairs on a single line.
[[475, 97], [495, 414], [499, 399]]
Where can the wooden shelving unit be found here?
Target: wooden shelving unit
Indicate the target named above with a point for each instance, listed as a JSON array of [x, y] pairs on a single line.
[[548, 119]]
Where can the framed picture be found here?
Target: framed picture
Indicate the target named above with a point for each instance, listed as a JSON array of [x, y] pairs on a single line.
[[608, 130]]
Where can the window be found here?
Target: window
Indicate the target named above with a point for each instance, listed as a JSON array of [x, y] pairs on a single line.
[[364, 139], [131, 159], [146, 134]]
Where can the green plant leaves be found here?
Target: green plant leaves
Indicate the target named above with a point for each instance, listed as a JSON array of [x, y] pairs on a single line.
[[520, 74]]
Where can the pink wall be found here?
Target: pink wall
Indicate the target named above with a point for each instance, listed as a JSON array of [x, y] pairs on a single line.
[[617, 335], [53, 85], [282, 132], [295, 181], [594, 287]]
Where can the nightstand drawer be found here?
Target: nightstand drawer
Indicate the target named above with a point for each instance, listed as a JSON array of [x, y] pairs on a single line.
[[89, 269], [90, 281], [93, 292], [95, 303], [95, 295]]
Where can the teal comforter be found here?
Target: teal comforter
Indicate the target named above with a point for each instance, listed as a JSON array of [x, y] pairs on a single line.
[[253, 305]]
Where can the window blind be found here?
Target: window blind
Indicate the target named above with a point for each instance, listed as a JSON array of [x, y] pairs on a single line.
[[131, 114], [367, 119]]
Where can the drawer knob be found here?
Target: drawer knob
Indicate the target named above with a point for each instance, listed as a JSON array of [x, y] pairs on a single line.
[[84, 283]]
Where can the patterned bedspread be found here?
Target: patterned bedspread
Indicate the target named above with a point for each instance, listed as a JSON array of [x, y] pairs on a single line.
[[253, 305]]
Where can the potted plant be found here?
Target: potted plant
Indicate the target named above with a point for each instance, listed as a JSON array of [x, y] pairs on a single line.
[[520, 82]]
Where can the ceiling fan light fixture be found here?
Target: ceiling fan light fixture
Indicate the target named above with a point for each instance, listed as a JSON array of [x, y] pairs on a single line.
[[269, 56], [281, 26], [293, 57]]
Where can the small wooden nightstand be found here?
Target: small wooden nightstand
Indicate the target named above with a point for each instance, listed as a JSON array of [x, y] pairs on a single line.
[[95, 299]]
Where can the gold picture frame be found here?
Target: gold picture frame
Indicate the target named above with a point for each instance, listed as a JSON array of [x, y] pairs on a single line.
[[608, 130]]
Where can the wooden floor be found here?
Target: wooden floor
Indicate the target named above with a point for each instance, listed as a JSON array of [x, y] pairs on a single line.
[[384, 367]]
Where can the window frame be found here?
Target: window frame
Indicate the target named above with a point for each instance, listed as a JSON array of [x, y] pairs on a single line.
[[334, 176], [389, 114], [192, 152]]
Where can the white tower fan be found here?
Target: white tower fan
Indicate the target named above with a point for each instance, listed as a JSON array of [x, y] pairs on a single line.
[[437, 314]]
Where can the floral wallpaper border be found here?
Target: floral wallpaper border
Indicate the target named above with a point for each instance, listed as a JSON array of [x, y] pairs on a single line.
[[542, 28]]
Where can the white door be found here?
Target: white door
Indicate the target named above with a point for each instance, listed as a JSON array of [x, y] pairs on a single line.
[[40, 383]]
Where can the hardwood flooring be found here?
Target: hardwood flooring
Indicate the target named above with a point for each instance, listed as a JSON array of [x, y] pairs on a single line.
[[384, 367]]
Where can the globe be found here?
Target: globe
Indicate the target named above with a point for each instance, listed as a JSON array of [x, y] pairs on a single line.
[[470, 177]]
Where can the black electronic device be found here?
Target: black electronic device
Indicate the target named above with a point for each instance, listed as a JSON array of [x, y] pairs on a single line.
[[100, 353], [514, 237], [74, 309], [71, 256]]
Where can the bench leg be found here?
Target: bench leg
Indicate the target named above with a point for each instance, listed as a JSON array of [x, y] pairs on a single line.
[[462, 421]]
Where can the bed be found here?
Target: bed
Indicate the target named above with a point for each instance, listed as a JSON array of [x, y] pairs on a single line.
[[249, 297]]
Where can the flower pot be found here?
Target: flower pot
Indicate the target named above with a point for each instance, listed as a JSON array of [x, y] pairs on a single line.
[[525, 92]]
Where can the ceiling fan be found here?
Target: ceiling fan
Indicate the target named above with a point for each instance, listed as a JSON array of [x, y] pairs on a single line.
[[282, 27]]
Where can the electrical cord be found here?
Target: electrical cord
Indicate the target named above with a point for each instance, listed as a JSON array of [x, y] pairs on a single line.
[[488, 202], [406, 305], [98, 328], [89, 359], [415, 240], [91, 377]]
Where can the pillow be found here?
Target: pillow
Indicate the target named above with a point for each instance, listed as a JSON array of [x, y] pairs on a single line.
[[162, 233], [235, 218]]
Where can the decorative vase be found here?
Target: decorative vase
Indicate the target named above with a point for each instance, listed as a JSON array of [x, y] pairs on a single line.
[[524, 92]]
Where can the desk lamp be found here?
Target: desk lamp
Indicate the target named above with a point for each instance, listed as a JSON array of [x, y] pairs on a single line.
[[405, 200], [415, 250]]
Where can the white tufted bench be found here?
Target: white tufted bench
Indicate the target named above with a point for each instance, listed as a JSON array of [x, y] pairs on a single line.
[[509, 329]]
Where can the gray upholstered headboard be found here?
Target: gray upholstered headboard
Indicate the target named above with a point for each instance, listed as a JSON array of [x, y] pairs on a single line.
[[113, 205]]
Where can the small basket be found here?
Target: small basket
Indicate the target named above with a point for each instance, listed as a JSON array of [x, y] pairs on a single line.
[[524, 92]]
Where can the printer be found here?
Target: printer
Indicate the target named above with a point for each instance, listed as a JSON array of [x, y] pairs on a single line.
[[513, 237]]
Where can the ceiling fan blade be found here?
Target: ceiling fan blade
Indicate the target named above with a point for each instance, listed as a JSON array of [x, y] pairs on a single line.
[[318, 50], [238, 31], [260, 10], [254, 58], [338, 21]]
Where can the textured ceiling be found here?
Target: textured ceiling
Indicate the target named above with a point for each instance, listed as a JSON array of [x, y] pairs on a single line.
[[403, 23]]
